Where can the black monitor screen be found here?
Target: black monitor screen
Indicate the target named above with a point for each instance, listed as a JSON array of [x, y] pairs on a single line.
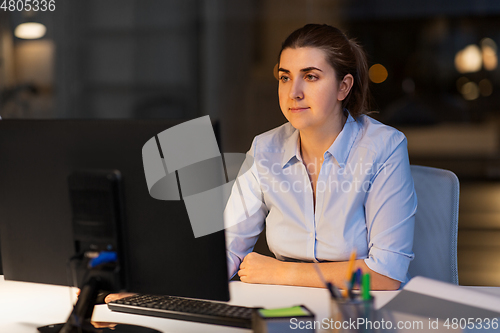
[[163, 256]]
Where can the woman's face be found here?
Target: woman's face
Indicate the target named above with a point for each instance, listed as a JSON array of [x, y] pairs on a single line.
[[310, 95]]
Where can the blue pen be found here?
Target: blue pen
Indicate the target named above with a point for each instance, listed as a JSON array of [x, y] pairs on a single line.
[[359, 275], [352, 284]]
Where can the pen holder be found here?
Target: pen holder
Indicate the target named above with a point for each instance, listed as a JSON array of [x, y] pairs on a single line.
[[353, 316]]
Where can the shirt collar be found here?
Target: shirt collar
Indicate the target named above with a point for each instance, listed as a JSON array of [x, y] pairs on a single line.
[[339, 149], [291, 148], [342, 145]]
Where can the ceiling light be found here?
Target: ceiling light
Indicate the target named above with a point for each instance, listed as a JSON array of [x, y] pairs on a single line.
[[30, 30]]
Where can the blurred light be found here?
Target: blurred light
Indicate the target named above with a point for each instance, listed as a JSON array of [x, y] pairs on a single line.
[[460, 82], [377, 73], [469, 59], [470, 91], [275, 72], [30, 30], [485, 87], [489, 42], [489, 48], [408, 85]]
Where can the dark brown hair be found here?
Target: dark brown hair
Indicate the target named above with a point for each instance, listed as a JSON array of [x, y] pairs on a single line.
[[343, 54]]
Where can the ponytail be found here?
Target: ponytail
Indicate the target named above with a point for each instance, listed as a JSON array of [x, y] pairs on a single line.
[[357, 102]]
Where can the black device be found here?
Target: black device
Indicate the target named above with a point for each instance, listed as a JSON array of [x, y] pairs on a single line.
[[185, 309], [98, 228], [98, 219], [36, 235]]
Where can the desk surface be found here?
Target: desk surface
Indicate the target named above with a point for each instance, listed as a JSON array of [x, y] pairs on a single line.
[[26, 306]]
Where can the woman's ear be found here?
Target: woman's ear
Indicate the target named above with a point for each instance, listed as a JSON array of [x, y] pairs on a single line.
[[345, 87]]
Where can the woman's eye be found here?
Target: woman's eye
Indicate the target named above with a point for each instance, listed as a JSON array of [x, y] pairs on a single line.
[[284, 78], [311, 77]]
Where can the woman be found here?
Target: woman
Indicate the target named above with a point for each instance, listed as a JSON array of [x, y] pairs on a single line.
[[330, 181]]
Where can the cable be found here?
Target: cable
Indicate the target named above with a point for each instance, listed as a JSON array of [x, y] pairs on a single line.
[[71, 276]]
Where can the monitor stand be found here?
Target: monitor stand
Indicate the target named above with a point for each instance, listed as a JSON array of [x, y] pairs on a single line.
[[79, 319]]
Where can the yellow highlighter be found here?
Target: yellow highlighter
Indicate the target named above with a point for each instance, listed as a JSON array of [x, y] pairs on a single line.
[[350, 268]]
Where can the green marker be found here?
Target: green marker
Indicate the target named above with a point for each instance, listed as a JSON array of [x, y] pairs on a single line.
[[366, 287]]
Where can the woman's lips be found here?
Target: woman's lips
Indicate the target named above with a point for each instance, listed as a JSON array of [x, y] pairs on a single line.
[[297, 110]]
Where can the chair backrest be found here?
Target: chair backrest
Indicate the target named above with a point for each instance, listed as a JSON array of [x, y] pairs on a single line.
[[436, 224]]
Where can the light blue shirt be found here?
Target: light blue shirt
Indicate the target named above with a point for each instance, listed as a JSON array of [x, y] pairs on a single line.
[[365, 200]]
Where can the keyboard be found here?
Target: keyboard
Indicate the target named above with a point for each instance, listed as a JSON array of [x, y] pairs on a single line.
[[185, 309]]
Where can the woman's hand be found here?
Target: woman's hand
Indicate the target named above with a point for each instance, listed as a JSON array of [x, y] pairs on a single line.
[[114, 297], [110, 297], [257, 268]]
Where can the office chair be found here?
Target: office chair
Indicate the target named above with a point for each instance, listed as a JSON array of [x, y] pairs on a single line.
[[436, 224]]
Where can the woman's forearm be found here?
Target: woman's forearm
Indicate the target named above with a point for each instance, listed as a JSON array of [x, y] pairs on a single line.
[[304, 274], [257, 268]]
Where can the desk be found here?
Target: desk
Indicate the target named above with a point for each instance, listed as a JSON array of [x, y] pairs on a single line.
[[26, 306]]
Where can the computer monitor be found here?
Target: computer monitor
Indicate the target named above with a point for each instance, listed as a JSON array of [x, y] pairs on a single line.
[[36, 239]]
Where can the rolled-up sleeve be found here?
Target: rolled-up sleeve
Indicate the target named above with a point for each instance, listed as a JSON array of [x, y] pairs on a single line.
[[390, 207], [244, 217]]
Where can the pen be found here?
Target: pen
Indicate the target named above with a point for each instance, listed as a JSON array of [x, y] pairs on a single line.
[[365, 293], [349, 272], [352, 284], [355, 281], [335, 291], [359, 277]]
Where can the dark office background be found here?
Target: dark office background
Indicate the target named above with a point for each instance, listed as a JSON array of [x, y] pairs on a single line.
[[435, 77]]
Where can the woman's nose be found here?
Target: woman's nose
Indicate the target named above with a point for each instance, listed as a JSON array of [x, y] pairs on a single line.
[[296, 91]]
